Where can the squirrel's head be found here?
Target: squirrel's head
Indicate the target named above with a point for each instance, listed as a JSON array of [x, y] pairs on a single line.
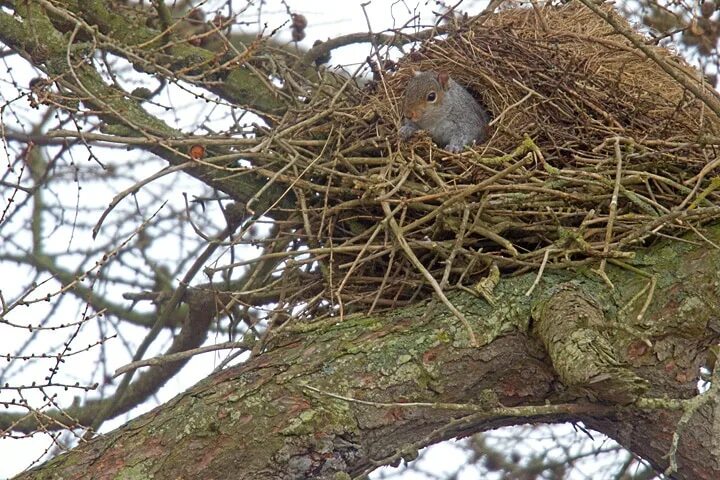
[[423, 93]]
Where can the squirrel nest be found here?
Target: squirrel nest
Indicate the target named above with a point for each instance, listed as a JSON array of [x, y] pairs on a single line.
[[594, 151]]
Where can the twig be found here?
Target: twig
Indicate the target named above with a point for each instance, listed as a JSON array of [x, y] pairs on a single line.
[[613, 206], [682, 78], [690, 407], [484, 410], [700, 234], [428, 276], [465, 192], [135, 188], [459, 238], [397, 39], [648, 299], [650, 288], [160, 322], [540, 272], [174, 357]]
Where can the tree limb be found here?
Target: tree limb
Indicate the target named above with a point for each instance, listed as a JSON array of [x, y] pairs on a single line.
[[268, 416]]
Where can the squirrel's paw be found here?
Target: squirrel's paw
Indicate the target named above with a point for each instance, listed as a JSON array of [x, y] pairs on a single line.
[[455, 147], [407, 131]]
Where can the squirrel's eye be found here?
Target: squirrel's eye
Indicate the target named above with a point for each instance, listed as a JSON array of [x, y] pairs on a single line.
[[431, 97]]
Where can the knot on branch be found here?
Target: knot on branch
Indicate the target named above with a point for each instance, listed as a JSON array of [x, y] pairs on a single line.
[[570, 323]]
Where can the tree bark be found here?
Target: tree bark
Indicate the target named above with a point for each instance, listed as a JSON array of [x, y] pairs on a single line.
[[337, 398]]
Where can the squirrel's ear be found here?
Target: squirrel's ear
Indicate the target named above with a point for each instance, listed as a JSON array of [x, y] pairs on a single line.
[[443, 78], [416, 73]]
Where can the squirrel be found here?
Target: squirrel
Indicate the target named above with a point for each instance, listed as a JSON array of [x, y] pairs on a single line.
[[436, 103]]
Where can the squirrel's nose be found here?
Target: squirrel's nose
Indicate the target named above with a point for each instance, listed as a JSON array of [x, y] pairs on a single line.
[[413, 115]]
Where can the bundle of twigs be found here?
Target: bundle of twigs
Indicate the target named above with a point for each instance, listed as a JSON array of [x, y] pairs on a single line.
[[594, 151]]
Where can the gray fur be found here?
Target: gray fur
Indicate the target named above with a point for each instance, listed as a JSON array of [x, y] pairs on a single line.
[[454, 121]]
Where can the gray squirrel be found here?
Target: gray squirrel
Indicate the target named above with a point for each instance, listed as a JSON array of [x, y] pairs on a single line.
[[436, 103]]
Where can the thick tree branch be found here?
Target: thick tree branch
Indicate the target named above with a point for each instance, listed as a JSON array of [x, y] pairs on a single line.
[[584, 358], [119, 28], [264, 416]]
